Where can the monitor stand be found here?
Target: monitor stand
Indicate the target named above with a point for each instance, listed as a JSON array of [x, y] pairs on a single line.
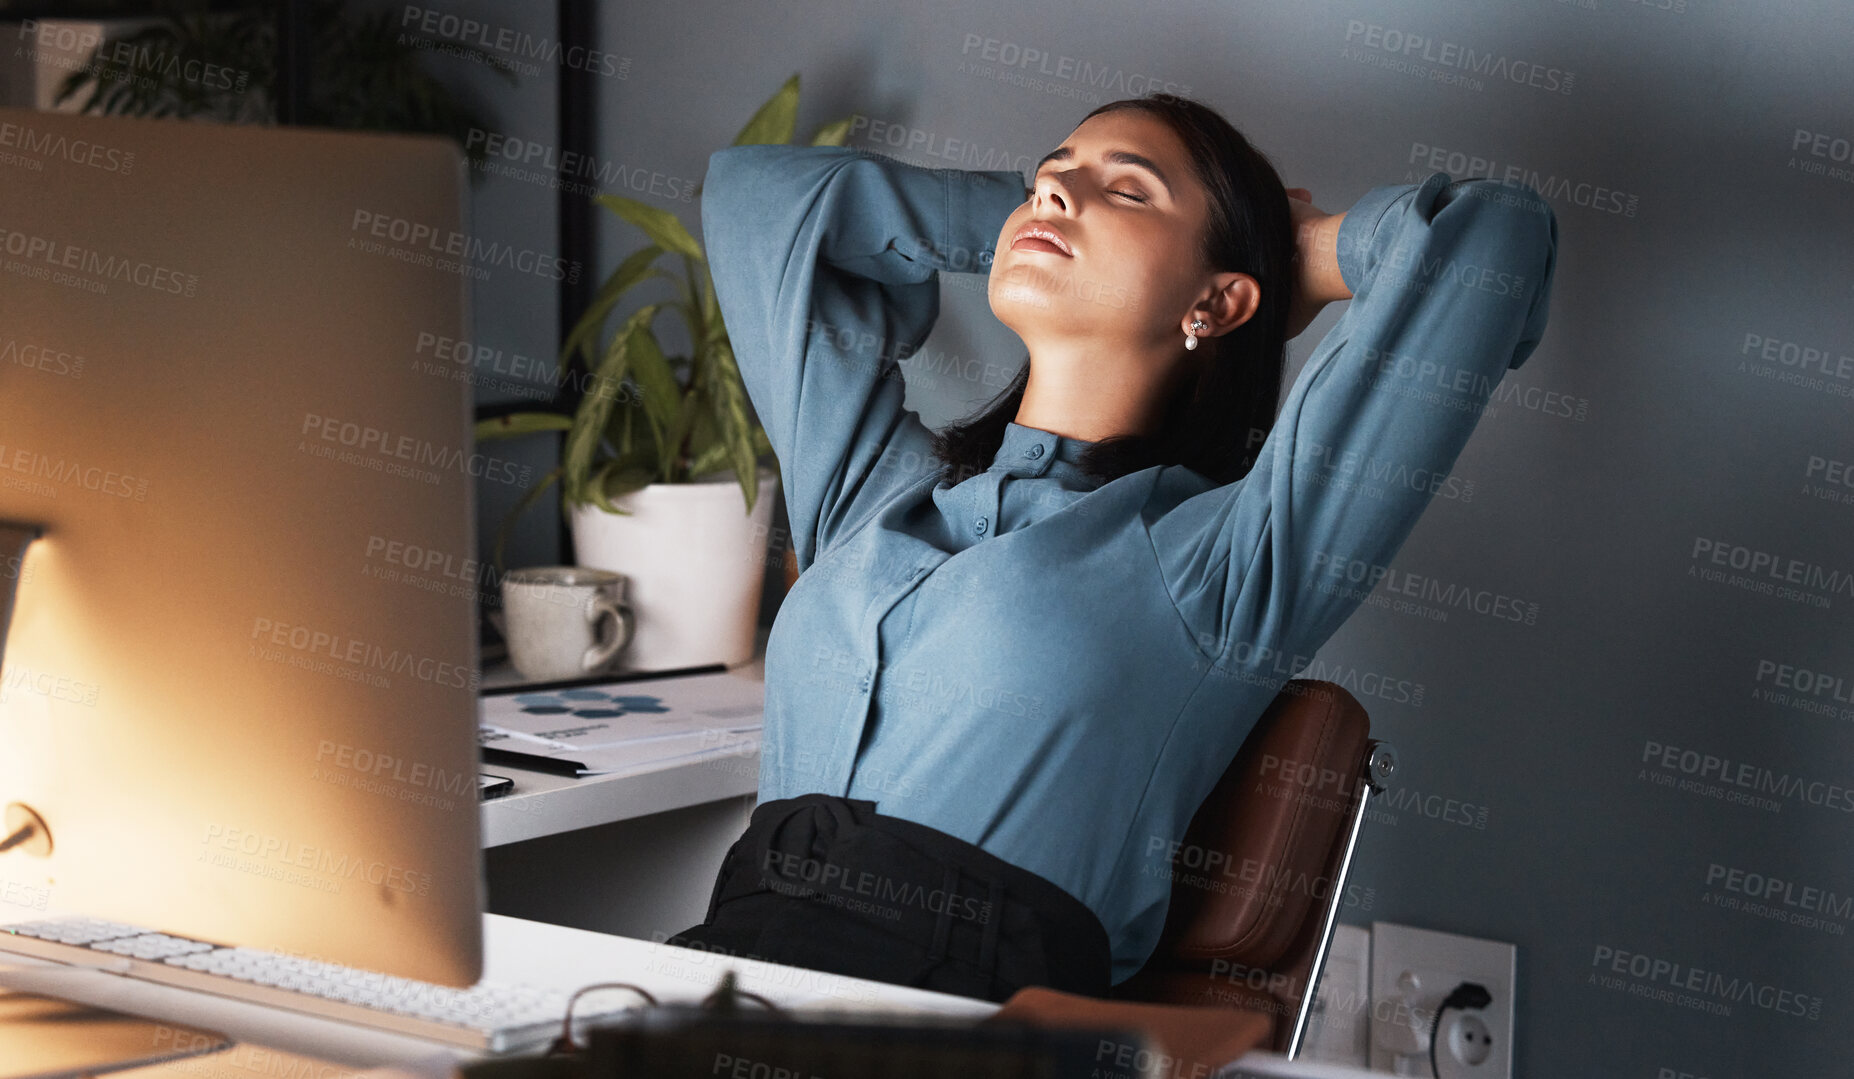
[[43, 1037]]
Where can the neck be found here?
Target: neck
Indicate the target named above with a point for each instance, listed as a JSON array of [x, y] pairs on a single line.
[[1092, 396]]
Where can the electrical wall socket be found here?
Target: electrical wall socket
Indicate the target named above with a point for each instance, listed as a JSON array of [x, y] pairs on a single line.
[[1412, 971]]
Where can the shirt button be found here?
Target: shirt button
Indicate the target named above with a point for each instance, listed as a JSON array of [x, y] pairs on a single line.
[[1034, 451], [980, 526], [984, 258], [865, 683]]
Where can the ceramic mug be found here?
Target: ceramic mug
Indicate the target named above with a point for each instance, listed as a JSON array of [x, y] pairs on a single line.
[[564, 622]]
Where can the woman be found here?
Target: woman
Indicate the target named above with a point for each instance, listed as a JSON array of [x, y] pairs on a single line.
[[1021, 652]]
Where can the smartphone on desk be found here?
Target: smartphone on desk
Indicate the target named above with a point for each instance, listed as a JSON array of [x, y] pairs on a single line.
[[488, 786]]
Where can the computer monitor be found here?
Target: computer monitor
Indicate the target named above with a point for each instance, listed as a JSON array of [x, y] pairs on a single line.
[[240, 712]]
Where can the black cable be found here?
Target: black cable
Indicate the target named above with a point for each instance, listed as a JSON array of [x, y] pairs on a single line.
[[1463, 997]]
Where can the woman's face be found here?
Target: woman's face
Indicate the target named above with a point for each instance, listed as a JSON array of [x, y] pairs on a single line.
[[1134, 268]]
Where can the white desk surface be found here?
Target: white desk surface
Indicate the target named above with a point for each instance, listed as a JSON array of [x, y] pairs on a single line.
[[275, 1042], [516, 950], [544, 804]]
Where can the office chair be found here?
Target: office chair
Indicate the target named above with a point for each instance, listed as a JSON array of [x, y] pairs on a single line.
[[1262, 873]]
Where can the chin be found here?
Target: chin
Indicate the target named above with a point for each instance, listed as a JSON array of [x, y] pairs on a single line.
[[1023, 287]]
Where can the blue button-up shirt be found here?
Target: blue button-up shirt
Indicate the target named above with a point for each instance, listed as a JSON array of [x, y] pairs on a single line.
[[1054, 669]]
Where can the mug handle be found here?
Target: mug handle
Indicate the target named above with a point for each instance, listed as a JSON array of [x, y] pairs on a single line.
[[605, 608]]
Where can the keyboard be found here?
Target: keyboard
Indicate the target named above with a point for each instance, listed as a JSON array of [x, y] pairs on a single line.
[[487, 1016]]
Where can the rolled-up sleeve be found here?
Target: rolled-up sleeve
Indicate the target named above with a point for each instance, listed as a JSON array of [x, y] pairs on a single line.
[[825, 263], [1451, 283]]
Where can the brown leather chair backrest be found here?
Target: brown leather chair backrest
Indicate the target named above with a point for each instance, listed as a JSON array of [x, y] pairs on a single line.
[[1275, 821]]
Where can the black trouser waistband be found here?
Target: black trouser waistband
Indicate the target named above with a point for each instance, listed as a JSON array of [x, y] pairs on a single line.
[[916, 882]]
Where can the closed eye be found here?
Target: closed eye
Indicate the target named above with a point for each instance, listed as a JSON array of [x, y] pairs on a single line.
[[1127, 195]]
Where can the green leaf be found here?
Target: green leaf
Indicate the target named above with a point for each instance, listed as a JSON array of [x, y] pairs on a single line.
[[678, 429], [629, 272], [658, 389], [775, 120], [517, 424], [622, 481], [711, 459], [595, 489], [596, 406], [665, 229], [835, 133]]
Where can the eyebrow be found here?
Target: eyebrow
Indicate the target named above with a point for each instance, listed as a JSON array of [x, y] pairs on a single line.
[[1123, 157]]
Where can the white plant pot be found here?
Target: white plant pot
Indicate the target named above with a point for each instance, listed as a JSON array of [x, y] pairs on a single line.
[[696, 560]]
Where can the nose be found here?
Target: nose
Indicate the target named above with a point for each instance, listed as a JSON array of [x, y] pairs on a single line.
[[1052, 186]]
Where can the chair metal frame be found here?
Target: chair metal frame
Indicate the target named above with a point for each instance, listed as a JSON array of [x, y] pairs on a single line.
[[1380, 764]]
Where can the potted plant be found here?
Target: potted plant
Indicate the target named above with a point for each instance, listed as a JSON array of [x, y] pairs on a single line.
[[365, 75], [659, 445]]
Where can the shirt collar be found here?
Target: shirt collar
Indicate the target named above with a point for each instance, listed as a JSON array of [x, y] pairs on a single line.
[[1032, 451]]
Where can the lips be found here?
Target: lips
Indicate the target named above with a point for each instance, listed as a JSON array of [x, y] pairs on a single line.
[[1037, 230]]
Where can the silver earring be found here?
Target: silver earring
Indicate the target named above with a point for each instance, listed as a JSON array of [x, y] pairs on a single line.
[[1191, 334]]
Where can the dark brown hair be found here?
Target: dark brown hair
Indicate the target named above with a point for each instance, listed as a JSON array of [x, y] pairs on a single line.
[[1216, 421]]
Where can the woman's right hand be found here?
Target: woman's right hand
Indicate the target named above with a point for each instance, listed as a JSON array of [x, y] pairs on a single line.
[[1317, 280]]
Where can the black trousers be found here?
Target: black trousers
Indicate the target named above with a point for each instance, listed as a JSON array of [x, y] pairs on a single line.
[[829, 884]]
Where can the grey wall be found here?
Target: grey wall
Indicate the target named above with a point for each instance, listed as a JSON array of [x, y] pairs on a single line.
[[1700, 217]]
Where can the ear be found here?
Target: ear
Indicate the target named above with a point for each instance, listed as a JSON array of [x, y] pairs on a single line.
[[1235, 300]]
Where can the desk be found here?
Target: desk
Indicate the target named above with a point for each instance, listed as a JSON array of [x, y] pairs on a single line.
[[550, 956], [629, 855], [605, 861]]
